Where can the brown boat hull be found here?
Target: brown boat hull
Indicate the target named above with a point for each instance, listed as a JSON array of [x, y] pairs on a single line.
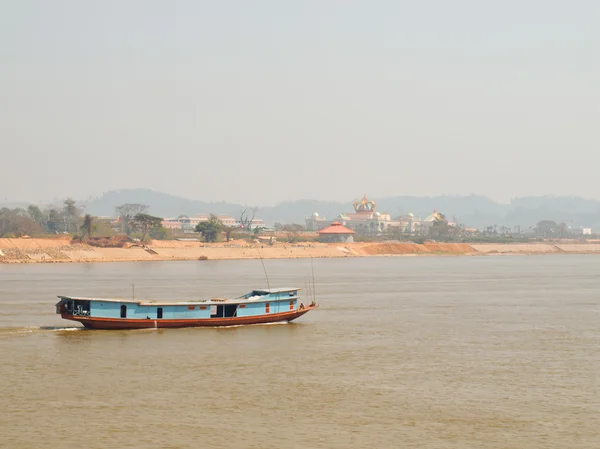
[[125, 323]]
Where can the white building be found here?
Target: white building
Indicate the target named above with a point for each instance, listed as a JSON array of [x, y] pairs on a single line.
[[364, 221], [189, 223], [367, 221]]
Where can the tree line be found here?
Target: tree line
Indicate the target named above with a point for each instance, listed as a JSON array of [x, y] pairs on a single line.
[[33, 220], [134, 221], [213, 227]]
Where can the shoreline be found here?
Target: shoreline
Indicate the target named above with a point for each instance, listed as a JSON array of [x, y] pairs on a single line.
[[30, 250]]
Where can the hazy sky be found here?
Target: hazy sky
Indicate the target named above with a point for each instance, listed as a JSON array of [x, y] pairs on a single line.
[[263, 101]]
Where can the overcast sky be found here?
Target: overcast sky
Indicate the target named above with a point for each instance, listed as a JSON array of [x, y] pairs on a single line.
[[264, 101]]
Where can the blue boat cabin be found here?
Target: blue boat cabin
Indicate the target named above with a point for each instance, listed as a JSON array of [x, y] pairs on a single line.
[[255, 303]]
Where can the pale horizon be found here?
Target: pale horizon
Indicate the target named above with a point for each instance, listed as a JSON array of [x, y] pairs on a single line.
[[57, 201], [273, 102]]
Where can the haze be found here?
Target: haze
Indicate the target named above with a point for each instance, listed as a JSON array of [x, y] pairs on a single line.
[[264, 101]]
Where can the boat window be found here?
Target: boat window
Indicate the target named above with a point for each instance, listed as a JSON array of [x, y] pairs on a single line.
[[159, 313], [267, 308], [81, 307], [123, 311]]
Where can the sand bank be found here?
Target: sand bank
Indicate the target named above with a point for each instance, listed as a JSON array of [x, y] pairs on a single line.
[[29, 250]]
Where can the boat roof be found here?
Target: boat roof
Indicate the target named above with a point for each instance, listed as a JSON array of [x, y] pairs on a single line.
[[255, 294], [275, 290]]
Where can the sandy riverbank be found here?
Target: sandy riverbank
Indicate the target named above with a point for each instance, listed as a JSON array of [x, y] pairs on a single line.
[[29, 250]]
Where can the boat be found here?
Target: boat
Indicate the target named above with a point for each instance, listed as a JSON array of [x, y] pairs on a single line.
[[256, 307]]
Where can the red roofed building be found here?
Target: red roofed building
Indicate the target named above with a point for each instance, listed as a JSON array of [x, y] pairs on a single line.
[[364, 221], [336, 233]]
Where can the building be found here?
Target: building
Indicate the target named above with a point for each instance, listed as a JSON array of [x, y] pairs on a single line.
[[188, 224], [185, 223], [425, 225], [257, 223], [407, 224], [336, 233], [171, 223], [365, 220], [315, 222]]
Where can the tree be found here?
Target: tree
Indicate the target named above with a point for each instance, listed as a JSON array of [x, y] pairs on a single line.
[[87, 226], [17, 222], [257, 231], [54, 218], [547, 228], [564, 229], [102, 227], [70, 208], [71, 213], [126, 213], [246, 218], [292, 232], [159, 233], [4, 221], [35, 213], [439, 227], [144, 224], [210, 229], [228, 230]]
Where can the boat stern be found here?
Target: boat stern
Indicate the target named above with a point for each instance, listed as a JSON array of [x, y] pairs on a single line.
[[64, 306], [72, 308]]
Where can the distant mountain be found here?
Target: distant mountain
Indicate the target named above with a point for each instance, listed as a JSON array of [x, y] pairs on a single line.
[[476, 211], [161, 204], [473, 210], [297, 211]]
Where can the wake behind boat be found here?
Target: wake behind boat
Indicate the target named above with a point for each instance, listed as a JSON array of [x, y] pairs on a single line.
[[257, 307]]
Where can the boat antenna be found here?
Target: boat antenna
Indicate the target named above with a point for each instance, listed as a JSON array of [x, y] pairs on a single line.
[[312, 268], [307, 287], [264, 268]]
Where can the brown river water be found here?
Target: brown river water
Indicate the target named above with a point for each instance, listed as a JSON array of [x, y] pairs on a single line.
[[423, 352]]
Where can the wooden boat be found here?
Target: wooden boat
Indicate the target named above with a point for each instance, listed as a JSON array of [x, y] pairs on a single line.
[[256, 307]]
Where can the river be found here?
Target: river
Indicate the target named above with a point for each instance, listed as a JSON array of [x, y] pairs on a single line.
[[423, 352]]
